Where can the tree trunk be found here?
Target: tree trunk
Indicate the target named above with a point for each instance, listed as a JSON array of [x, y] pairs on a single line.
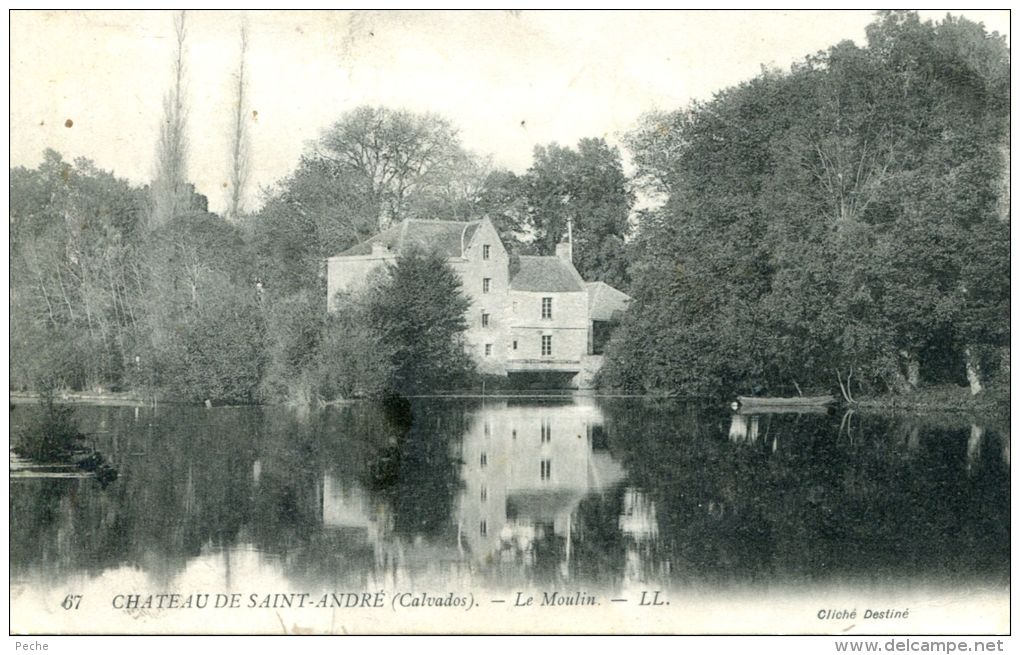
[[910, 376], [973, 372], [977, 436], [898, 383], [914, 440], [845, 389], [913, 372]]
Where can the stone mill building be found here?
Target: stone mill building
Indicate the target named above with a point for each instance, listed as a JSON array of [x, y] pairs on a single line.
[[530, 316]]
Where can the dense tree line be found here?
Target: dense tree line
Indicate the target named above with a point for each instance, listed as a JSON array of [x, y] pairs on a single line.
[[843, 226], [838, 227], [123, 288], [102, 297]]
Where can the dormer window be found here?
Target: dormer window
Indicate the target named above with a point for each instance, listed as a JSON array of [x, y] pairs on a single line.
[[485, 251]]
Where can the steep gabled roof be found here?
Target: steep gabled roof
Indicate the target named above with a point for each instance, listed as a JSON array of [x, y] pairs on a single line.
[[549, 273], [605, 302], [448, 238]]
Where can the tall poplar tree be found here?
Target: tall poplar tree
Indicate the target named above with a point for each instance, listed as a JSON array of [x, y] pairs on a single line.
[[170, 191]]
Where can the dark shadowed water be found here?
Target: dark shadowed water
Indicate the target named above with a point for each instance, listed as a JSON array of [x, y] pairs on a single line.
[[504, 493]]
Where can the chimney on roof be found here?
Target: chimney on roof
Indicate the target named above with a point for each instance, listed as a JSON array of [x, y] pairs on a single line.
[[565, 248]]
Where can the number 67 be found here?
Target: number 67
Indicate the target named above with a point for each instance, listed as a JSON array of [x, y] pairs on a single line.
[[71, 602]]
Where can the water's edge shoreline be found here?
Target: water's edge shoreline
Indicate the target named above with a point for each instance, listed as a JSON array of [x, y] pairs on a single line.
[[935, 402]]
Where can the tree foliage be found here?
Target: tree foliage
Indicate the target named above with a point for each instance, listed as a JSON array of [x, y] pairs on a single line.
[[419, 310], [374, 166], [839, 226], [219, 355], [75, 280], [397, 158], [842, 226], [585, 186]]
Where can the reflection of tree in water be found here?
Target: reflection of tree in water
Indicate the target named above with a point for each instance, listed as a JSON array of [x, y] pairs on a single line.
[[181, 487], [191, 479], [285, 498], [823, 503], [597, 544], [36, 513], [186, 485], [809, 499], [295, 451], [701, 487], [418, 473]]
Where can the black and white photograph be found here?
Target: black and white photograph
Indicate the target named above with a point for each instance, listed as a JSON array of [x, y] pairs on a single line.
[[510, 322]]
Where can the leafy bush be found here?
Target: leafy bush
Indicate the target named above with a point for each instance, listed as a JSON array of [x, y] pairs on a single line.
[[294, 328], [400, 335], [353, 359], [418, 310], [218, 356], [52, 435]]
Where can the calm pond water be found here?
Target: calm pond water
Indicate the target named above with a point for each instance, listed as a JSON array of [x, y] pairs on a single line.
[[503, 493]]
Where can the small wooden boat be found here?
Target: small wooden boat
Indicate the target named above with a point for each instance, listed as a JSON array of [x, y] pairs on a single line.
[[761, 410], [764, 402]]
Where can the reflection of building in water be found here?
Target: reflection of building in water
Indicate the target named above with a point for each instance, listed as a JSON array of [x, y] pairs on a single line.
[[744, 428], [638, 520], [526, 468], [640, 527]]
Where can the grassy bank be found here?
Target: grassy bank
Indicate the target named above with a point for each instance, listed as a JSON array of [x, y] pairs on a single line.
[[942, 398], [113, 398]]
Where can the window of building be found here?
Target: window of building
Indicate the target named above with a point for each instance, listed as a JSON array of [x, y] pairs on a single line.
[[546, 431], [513, 433], [546, 307], [486, 282], [485, 252], [515, 344], [486, 428], [483, 529], [485, 320], [488, 350], [546, 469], [483, 460], [485, 494], [546, 344]]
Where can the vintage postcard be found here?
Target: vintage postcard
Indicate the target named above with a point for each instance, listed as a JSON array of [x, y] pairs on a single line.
[[510, 322]]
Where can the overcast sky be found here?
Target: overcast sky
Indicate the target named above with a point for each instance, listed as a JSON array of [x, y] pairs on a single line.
[[509, 81]]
